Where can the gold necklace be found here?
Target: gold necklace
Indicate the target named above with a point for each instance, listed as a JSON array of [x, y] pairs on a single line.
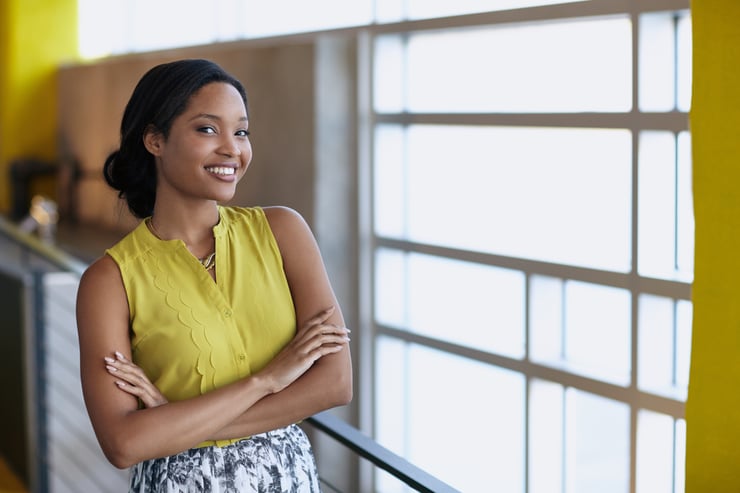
[[208, 262]]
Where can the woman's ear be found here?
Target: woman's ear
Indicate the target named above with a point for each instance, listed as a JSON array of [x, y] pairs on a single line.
[[153, 139]]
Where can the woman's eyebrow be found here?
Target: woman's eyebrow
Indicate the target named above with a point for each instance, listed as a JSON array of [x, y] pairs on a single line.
[[210, 116]]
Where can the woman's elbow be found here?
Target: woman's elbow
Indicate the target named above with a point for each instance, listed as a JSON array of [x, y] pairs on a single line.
[[118, 451], [343, 391]]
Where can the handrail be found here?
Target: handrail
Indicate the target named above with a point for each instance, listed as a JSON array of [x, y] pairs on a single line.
[[339, 430], [368, 448], [49, 252]]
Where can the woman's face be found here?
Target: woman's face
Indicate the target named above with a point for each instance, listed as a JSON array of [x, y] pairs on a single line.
[[208, 149]]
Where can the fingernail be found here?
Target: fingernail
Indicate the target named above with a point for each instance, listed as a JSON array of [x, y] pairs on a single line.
[[111, 368], [109, 360], [119, 355], [119, 383]]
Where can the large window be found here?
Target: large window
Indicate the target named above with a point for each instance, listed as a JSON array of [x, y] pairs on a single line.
[[532, 244]]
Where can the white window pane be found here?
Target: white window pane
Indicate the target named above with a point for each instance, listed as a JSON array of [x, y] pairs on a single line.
[[597, 331], [680, 467], [684, 316], [657, 59], [390, 403], [546, 319], [389, 181], [425, 8], [657, 204], [685, 210], [546, 405], [388, 79], [656, 344], [655, 451], [390, 287], [664, 346], [467, 303], [557, 195], [684, 62], [534, 67], [487, 444], [290, 16], [96, 38], [169, 23], [597, 444], [665, 211]]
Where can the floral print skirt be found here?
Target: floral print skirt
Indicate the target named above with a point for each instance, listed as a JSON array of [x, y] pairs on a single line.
[[279, 461]]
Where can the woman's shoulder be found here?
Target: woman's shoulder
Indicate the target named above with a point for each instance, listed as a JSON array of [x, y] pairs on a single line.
[[279, 219], [101, 277]]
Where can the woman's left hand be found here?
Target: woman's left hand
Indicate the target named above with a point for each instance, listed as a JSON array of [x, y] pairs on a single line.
[[131, 379]]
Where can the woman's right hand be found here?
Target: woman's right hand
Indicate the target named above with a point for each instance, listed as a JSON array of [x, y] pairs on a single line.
[[312, 341], [131, 379]]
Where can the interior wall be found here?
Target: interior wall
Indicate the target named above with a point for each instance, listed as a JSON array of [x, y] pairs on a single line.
[[712, 410], [280, 84]]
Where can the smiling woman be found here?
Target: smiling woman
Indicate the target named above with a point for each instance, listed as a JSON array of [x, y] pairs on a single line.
[[208, 331]]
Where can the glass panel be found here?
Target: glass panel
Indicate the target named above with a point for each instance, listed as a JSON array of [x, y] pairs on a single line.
[[291, 16], [597, 331], [597, 335], [467, 303], [185, 19], [680, 463], [546, 319], [657, 204], [557, 195], [533, 67], [656, 344], [487, 445], [654, 452], [390, 287], [389, 181], [388, 79], [419, 9], [684, 62], [657, 62], [684, 317], [664, 346], [546, 401], [597, 444], [685, 210], [390, 403], [95, 37]]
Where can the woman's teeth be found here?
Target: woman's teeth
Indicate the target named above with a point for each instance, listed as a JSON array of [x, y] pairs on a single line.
[[221, 170]]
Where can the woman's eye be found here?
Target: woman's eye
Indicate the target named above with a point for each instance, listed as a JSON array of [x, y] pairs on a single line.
[[242, 133], [207, 130]]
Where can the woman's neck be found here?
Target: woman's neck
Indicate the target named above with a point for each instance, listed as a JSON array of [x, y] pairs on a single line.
[[194, 226]]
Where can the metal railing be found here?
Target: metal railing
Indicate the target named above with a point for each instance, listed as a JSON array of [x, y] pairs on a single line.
[[341, 432]]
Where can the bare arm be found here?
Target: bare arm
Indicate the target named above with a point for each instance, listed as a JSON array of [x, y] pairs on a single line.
[[129, 435]]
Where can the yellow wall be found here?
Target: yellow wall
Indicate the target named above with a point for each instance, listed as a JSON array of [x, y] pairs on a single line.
[[713, 408], [35, 37]]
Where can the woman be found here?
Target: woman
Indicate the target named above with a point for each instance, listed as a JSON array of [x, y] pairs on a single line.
[[208, 331]]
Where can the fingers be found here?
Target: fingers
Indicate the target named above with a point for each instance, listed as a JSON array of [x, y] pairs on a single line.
[[132, 380], [319, 318]]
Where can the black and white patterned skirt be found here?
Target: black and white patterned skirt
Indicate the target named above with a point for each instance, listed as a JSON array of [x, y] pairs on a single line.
[[279, 461]]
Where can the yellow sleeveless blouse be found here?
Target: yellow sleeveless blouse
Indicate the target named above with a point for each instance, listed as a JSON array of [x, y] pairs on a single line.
[[191, 334]]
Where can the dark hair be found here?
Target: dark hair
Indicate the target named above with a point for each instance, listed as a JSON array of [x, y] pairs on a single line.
[[161, 95]]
